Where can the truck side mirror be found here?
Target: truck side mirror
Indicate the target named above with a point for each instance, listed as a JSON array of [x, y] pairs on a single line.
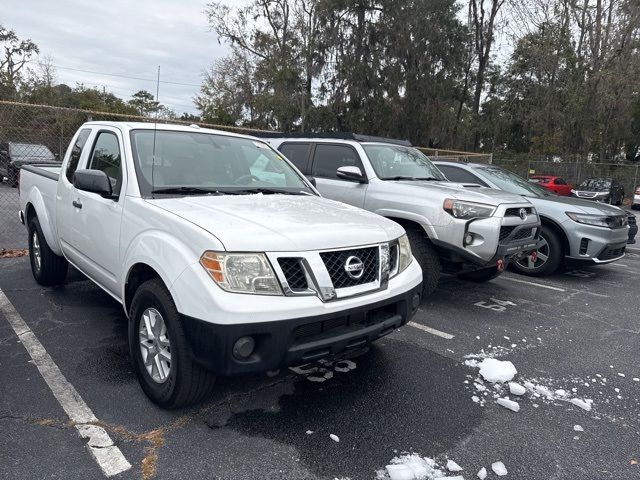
[[94, 181], [352, 174]]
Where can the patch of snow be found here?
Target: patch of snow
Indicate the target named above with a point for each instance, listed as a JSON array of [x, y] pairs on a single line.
[[412, 467], [497, 371], [578, 428], [475, 398], [516, 389], [621, 374], [499, 469], [333, 437], [583, 404], [453, 466], [309, 432], [510, 404], [482, 473]]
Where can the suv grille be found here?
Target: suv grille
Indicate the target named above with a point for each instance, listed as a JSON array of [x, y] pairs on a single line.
[[505, 232], [611, 252], [294, 273], [336, 261], [515, 212]]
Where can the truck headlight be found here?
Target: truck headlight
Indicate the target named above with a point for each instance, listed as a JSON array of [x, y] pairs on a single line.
[[467, 210], [404, 253], [607, 221], [241, 272]]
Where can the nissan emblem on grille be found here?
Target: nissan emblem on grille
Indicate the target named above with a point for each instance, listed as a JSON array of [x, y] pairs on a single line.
[[354, 267], [523, 213]]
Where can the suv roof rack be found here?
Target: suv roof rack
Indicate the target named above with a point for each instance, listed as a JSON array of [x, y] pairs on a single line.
[[337, 136]]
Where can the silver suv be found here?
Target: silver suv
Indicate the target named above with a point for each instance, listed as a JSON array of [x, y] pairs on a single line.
[[574, 230], [469, 232]]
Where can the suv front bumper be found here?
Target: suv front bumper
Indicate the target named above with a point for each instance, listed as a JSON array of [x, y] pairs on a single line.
[[595, 244], [296, 341]]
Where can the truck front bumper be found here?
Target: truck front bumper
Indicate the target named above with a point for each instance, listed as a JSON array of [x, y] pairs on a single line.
[[296, 341]]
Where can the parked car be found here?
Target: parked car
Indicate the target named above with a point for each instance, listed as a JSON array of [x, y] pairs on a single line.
[[555, 184], [224, 257], [468, 232], [636, 199], [573, 230], [601, 189], [15, 155]]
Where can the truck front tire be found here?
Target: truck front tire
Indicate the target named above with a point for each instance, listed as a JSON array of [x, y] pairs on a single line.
[[47, 267], [160, 352], [427, 257]]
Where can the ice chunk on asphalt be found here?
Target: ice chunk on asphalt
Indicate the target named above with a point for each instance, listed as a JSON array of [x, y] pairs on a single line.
[[497, 371], [516, 389], [482, 473], [510, 404], [309, 432], [542, 390], [499, 469], [578, 428], [453, 466], [335, 438], [413, 467], [583, 404]]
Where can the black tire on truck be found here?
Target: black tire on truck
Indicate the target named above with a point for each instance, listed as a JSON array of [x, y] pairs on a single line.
[[47, 267], [427, 257], [174, 380], [481, 275], [552, 249], [12, 176]]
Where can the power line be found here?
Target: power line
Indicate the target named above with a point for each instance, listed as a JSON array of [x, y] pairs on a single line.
[[121, 76]]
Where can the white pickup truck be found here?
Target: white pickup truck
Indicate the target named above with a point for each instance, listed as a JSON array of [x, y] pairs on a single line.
[[224, 257]]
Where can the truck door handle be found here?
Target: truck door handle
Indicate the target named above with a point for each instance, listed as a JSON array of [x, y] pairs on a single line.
[[77, 204]]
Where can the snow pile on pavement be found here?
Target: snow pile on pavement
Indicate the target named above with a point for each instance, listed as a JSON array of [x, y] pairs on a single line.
[[453, 466], [497, 371], [516, 389], [411, 466], [482, 473], [510, 404], [499, 469]]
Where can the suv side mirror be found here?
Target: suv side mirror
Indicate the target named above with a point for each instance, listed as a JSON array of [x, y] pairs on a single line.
[[94, 181], [352, 174]]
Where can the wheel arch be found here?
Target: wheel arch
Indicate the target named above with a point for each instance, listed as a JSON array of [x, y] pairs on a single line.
[[137, 275], [558, 230]]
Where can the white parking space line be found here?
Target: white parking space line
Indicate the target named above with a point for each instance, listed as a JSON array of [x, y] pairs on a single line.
[[430, 330], [106, 454], [535, 284]]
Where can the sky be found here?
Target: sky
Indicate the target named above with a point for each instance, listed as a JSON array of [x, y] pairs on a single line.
[[122, 37]]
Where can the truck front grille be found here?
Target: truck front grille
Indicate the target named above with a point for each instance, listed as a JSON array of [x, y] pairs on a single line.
[[336, 262], [505, 232], [294, 273], [523, 233]]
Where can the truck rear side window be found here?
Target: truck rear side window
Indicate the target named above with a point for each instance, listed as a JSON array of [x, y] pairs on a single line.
[[76, 153], [106, 157]]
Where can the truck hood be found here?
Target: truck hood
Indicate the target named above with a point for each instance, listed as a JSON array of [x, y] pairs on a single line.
[[576, 205], [465, 191], [281, 223]]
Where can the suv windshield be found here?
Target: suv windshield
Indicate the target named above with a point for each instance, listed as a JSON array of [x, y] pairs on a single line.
[[394, 162], [595, 184], [512, 183], [190, 163]]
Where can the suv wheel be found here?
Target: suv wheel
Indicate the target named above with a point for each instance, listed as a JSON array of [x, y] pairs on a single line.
[[47, 267], [547, 258], [427, 258], [480, 275], [160, 352]]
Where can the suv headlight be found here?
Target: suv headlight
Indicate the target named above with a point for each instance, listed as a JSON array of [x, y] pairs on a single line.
[[607, 221], [467, 210], [241, 272]]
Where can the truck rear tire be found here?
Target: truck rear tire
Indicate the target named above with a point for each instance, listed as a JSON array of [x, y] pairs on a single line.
[[549, 258], [160, 352], [427, 257], [480, 275], [47, 267]]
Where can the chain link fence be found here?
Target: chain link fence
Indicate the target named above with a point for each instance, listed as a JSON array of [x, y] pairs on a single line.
[[41, 133]]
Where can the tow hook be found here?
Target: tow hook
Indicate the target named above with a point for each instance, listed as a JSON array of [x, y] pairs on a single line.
[[534, 256], [500, 265]]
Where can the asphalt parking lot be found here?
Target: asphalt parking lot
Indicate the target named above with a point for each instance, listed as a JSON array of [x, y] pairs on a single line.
[[11, 231], [575, 334]]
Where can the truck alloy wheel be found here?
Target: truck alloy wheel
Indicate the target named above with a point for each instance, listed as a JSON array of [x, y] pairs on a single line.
[[155, 346], [36, 252]]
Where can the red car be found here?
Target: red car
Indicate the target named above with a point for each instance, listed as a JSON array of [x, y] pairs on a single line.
[[553, 183]]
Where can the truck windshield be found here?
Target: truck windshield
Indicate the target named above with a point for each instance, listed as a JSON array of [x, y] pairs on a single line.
[[512, 183], [198, 163], [394, 162]]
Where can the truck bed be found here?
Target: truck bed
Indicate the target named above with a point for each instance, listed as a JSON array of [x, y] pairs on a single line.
[[49, 171]]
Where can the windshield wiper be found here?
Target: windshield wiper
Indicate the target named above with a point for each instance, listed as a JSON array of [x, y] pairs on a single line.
[[268, 191], [401, 177], [190, 191]]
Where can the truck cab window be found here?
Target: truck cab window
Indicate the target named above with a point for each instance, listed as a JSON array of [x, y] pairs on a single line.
[[76, 153], [106, 157], [297, 153]]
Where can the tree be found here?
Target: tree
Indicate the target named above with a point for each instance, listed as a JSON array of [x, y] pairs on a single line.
[[16, 55], [144, 103]]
